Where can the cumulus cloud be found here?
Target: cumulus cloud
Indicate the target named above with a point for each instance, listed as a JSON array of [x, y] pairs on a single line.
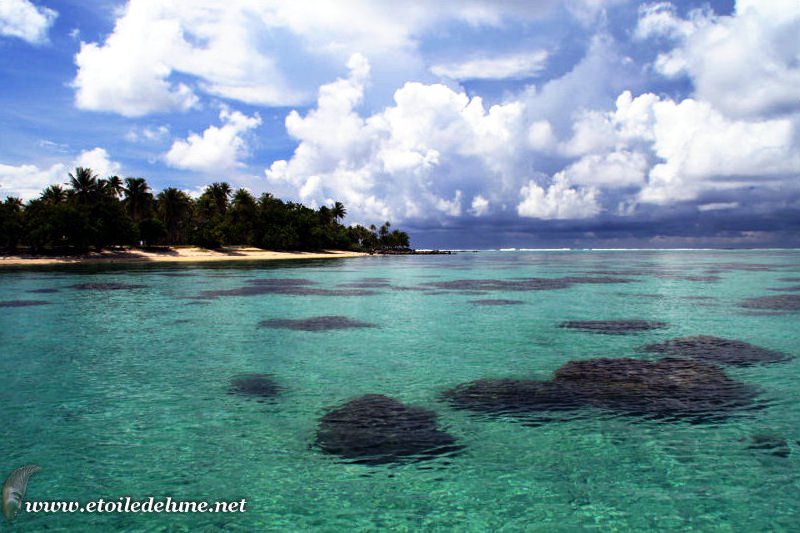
[[27, 181], [163, 54], [480, 206], [745, 65], [98, 160], [516, 66], [409, 160], [218, 148], [703, 150], [437, 152], [621, 168], [559, 201], [24, 20]]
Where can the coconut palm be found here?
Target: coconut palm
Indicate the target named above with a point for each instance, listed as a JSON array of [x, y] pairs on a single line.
[[113, 185], [54, 194], [173, 209], [83, 183], [338, 211], [138, 198], [220, 193]]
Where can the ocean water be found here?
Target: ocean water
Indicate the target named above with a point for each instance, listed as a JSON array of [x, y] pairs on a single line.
[[125, 392]]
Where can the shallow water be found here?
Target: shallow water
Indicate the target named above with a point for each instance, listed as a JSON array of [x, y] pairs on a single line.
[[125, 392]]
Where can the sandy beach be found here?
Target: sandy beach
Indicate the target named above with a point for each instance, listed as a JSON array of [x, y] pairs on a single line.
[[178, 254]]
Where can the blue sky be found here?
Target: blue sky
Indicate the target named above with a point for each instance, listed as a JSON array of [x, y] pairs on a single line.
[[468, 123]]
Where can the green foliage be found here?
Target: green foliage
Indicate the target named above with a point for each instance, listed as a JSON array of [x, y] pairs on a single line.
[[94, 212], [11, 223]]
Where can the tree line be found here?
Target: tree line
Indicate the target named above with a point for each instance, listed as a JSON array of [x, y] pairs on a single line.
[[91, 212]]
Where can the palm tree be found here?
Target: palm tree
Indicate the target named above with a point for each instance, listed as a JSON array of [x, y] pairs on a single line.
[[242, 217], [338, 211], [173, 208], [84, 183], [137, 198], [220, 193], [54, 194], [113, 184], [243, 199]]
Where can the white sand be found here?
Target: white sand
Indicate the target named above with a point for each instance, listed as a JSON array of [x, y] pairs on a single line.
[[178, 254]]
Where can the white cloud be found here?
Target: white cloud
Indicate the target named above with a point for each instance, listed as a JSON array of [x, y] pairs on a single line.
[[745, 65], [559, 201], [615, 169], [436, 152], [480, 206], [717, 206], [147, 134], [407, 161], [450, 207], [97, 159], [218, 148], [27, 181], [541, 136], [22, 19], [703, 150], [516, 66], [249, 50]]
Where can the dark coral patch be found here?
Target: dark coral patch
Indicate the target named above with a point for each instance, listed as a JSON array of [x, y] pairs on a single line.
[[22, 303], [497, 301], [705, 279], [49, 290], [718, 350], [289, 286], [613, 327], [793, 288], [105, 286], [317, 323], [781, 302], [260, 385], [770, 444], [669, 388], [597, 280], [514, 396], [522, 284], [365, 285], [375, 429]]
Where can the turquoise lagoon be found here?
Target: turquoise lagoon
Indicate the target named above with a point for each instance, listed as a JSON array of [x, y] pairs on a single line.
[[125, 393]]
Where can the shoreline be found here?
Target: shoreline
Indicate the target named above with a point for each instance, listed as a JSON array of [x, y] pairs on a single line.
[[178, 254]]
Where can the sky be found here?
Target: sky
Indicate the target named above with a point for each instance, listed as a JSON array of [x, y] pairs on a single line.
[[467, 123]]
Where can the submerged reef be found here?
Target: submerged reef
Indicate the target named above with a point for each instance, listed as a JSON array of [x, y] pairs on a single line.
[[496, 301], [769, 443], [718, 350], [105, 286], [317, 323], [283, 286], [375, 429], [668, 388], [259, 385], [613, 327], [514, 396], [522, 284], [22, 303], [780, 302]]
